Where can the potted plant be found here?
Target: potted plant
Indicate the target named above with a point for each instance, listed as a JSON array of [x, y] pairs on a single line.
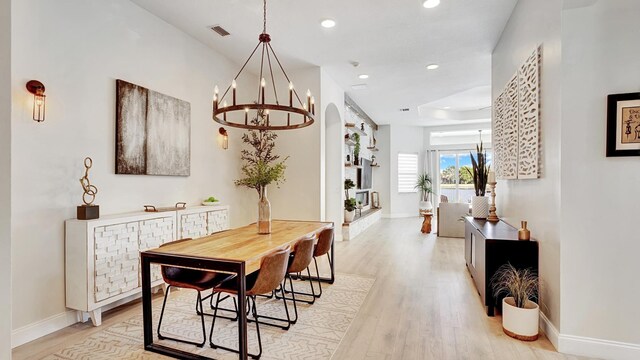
[[349, 202], [479, 174], [520, 313], [424, 185], [356, 149], [260, 168]]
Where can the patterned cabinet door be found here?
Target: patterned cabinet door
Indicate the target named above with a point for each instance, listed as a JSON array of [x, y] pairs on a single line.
[[152, 234], [217, 221], [192, 225], [116, 260]]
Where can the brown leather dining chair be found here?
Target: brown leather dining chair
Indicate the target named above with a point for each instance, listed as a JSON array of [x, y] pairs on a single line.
[[273, 268], [183, 278], [325, 242]]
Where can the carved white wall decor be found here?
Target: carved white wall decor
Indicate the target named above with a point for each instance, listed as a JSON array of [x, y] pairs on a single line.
[[528, 117], [516, 123]]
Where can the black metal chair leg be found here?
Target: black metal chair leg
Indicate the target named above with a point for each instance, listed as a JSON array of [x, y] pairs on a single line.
[[255, 315], [213, 324], [235, 305], [318, 277], [287, 320], [204, 330], [312, 295]]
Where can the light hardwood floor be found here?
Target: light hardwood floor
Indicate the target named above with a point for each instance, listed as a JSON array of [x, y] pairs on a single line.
[[423, 304]]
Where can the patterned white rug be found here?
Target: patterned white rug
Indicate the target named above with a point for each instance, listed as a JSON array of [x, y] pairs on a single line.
[[316, 335]]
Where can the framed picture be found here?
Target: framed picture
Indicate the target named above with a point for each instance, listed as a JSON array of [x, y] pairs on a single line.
[[375, 200], [623, 125]]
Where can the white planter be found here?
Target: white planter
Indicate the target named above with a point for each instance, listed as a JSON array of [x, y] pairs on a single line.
[[349, 215], [520, 323], [480, 207], [426, 206]]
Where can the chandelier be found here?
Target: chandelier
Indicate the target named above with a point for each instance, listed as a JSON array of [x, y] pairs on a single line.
[[293, 114]]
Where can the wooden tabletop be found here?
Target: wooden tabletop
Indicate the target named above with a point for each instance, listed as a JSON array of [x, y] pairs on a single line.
[[244, 243]]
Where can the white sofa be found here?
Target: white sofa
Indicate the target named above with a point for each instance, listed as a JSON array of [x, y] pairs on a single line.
[[450, 223]]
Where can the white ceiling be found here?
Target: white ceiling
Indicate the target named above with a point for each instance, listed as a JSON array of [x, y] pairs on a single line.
[[392, 40]]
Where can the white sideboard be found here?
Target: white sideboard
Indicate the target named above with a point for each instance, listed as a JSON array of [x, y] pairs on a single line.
[[102, 256]]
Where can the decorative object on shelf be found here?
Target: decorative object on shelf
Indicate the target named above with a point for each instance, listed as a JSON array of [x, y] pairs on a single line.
[[520, 313], [479, 203], [623, 125], [375, 200], [524, 233], [356, 149], [88, 211], [516, 123], [177, 206], [261, 167], [424, 185], [362, 126], [493, 217], [39, 98], [225, 137], [211, 201], [349, 202], [348, 159], [373, 160], [153, 132], [237, 115]]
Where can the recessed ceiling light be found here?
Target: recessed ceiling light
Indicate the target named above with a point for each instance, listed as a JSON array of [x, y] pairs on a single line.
[[363, 76], [432, 66], [447, 107], [328, 23], [430, 4]]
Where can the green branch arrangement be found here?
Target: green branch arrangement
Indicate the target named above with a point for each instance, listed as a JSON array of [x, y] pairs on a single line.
[[261, 166], [481, 170]]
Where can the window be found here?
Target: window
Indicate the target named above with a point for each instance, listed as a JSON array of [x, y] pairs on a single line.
[[407, 172], [456, 181]]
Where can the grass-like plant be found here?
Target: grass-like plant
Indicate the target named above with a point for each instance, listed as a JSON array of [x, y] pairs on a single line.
[[521, 284], [480, 172], [261, 166], [424, 185]]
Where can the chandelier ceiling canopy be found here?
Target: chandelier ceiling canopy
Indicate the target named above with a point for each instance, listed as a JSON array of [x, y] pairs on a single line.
[[266, 112]]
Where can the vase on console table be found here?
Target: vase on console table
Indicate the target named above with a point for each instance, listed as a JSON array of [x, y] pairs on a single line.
[[480, 207], [264, 212]]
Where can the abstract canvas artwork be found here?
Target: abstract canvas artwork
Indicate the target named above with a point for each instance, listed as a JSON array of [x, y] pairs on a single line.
[[153, 132], [516, 123]]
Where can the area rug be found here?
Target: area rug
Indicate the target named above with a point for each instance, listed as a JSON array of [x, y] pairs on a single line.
[[316, 335]]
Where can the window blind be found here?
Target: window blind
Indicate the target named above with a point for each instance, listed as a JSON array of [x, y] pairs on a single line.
[[407, 172]]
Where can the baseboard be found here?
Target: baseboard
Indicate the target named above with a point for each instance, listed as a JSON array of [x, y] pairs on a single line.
[[399, 215], [549, 330], [43, 327], [598, 348]]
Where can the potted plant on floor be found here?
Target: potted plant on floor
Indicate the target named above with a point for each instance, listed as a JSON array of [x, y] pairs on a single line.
[[424, 185], [349, 202], [260, 168], [520, 313], [480, 174]]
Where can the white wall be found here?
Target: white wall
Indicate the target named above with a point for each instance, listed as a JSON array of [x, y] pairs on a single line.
[[333, 159], [404, 139], [382, 175], [77, 48], [600, 195], [300, 197], [5, 179], [533, 23]]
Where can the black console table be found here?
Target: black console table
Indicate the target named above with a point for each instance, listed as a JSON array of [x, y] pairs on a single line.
[[489, 245]]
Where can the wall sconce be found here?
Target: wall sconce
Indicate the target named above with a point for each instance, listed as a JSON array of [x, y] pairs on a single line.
[[37, 89], [225, 138]]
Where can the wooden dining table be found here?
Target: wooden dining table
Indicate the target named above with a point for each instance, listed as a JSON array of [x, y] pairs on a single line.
[[238, 251]]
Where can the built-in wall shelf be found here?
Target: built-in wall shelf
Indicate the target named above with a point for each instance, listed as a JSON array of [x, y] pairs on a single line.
[[376, 165], [352, 128], [353, 166], [372, 148], [349, 142]]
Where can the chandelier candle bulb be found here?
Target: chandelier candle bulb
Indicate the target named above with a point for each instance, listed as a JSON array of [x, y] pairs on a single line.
[[313, 105], [215, 97], [224, 116], [308, 100], [233, 86], [290, 94], [246, 116], [263, 83]]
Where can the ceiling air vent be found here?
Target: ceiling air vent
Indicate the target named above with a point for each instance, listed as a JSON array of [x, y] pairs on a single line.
[[405, 109], [220, 30]]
